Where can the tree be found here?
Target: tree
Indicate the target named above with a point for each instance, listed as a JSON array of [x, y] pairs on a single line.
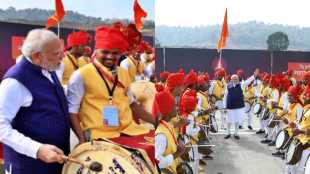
[[277, 41]]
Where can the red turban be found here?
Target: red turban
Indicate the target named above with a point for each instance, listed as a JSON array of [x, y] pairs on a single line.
[[220, 73], [206, 76], [133, 36], [145, 47], [110, 38], [295, 91], [188, 102], [201, 80], [174, 80], [191, 78], [274, 81], [164, 75], [165, 101], [307, 91], [286, 83], [78, 38], [240, 73]]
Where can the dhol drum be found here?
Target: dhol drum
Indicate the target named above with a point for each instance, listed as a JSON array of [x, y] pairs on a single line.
[[247, 107], [183, 139], [204, 140], [213, 124], [307, 166], [257, 108], [112, 157], [282, 140], [294, 152], [273, 120], [144, 92]]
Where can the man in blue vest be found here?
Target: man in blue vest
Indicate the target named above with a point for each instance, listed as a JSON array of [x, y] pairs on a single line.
[[234, 102], [34, 124]]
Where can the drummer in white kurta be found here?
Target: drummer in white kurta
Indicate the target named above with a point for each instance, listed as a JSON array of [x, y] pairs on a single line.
[[234, 102]]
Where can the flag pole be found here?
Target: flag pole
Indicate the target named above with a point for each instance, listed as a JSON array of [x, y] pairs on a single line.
[[58, 28]]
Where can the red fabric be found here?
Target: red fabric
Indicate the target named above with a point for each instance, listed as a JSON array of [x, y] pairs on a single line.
[[240, 73], [164, 75], [133, 36], [138, 142], [191, 78], [145, 47], [220, 73], [110, 38], [266, 77], [139, 13], [188, 102], [78, 38], [290, 72], [306, 76], [286, 83], [274, 81], [174, 80], [201, 80], [58, 15], [307, 92], [207, 77], [224, 34], [1, 152], [165, 101], [295, 91]]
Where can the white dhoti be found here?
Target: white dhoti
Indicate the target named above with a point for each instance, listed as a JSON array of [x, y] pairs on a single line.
[[235, 115]]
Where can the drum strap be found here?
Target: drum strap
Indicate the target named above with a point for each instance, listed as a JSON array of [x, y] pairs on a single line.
[[104, 74], [169, 129], [303, 114]]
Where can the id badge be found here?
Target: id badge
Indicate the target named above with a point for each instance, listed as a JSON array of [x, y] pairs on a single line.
[[110, 115]]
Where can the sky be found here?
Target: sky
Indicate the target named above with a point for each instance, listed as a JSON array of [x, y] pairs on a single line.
[[96, 8], [210, 12]]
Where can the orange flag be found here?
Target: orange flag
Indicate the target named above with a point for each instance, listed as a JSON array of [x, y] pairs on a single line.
[[58, 15], [224, 34], [139, 13]]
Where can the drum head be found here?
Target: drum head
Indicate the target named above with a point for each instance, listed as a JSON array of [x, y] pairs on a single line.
[[114, 159], [294, 152], [307, 167], [257, 108], [280, 140], [144, 92], [290, 152]]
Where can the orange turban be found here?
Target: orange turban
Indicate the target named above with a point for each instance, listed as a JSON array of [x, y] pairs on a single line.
[[110, 38], [201, 80], [174, 80], [188, 102], [164, 75], [191, 78], [306, 76], [286, 83], [165, 101], [274, 81], [206, 76], [295, 91], [77, 39]]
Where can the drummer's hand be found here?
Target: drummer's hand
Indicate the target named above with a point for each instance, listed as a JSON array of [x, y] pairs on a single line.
[[182, 122], [297, 132], [50, 154], [285, 120], [292, 125], [181, 149]]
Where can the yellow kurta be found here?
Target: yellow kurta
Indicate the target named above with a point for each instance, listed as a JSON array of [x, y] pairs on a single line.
[[171, 144], [218, 90], [204, 106], [304, 125], [70, 65], [96, 97], [292, 116], [135, 68]]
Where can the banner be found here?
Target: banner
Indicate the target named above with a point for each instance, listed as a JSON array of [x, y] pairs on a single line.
[[299, 68]]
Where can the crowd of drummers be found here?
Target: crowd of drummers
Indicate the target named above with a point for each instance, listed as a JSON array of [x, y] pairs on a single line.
[[185, 105]]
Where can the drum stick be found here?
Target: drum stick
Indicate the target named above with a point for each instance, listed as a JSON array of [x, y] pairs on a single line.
[[201, 145], [94, 166]]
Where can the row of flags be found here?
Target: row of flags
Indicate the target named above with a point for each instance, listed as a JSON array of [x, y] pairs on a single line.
[[60, 12], [139, 14]]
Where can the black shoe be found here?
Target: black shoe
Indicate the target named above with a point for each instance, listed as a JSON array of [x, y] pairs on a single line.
[[227, 136], [207, 157], [278, 153], [237, 137], [265, 141], [240, 127], [250, 127], [260, 131], [266, 136], [272, 143]]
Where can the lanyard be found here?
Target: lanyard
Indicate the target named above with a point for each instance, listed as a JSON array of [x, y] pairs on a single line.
[[110, 91]]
